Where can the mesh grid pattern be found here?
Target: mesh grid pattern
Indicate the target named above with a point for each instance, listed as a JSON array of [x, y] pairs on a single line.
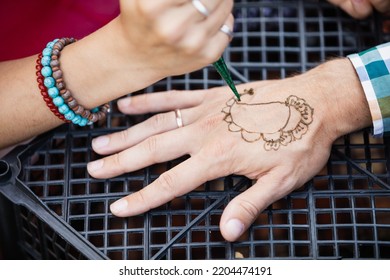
[[40, 241], [343, 212]]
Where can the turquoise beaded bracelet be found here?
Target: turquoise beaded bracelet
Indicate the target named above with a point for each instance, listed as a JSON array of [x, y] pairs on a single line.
[[57, 91]]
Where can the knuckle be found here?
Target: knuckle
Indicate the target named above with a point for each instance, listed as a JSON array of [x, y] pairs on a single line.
[[214, 54], [139, 196], [210, 122], [124, 135], [150, 145], [285, 182], [147, 10], [191, 49], [168, 34], [195, 44], [167, 183], [158, 121], [249, 208], [219, 149], [117, 163], [288, 183], [221, 154]]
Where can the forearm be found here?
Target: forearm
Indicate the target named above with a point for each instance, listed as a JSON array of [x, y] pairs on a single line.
[[104, 66], [23, 113], [96, 69]]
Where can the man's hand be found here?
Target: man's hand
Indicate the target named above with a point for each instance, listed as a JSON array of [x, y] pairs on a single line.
[[280, 135]]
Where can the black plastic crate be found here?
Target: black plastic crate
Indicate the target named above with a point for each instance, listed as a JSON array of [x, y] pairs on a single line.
[[50, 208]]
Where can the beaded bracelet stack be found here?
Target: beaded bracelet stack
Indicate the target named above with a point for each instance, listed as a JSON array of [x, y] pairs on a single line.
[[53, 89]]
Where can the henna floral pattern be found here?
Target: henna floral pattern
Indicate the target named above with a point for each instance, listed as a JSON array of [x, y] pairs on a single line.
[[294, 118]]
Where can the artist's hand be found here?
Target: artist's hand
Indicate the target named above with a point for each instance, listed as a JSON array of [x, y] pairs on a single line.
[[280, 136], [173, 36], [362, 8]]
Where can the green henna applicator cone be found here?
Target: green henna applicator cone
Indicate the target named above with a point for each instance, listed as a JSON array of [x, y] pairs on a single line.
[[222, 69]]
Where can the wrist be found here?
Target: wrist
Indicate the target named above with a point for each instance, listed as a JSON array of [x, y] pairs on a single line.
[[103, 66], [341, 102]]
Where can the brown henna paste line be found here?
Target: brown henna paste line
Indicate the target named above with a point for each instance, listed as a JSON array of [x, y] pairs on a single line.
[[294, 118]]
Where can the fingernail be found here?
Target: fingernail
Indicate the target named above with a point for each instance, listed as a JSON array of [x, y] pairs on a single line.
[[124, 102], [100, 142], [118, 206], [95, 165], [235, 228]]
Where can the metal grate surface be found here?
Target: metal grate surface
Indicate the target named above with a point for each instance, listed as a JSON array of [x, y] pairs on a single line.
[[343, 212]]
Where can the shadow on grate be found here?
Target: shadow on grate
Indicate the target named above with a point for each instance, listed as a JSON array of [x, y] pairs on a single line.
[[343, 212]]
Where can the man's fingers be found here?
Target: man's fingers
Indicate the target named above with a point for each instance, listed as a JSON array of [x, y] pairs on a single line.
[[178, 181], [155, 149], [160, 102], [244, 209], [155, 125]]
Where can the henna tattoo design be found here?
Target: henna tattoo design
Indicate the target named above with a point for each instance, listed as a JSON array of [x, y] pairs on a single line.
[[295, 117]]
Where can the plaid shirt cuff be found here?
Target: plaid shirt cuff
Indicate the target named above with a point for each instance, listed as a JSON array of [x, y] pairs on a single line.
[[373, 68]]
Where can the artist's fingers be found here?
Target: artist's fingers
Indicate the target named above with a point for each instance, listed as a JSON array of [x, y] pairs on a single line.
[[382, 6], [176, 182], [197, 36], [241, 212], [210, 7], [214, 47], [160, 101], [357, 9], [157, 124], [179, 22], [155, 149]]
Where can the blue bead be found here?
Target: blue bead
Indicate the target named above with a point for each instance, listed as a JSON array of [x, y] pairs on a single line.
[[58, 101], [50, 44], [46, 71], [45, 60], [94, 110], [70, 115], [47, 51], [63, 109], [83, 122], [77, 119], [53, 92], [49, 82]]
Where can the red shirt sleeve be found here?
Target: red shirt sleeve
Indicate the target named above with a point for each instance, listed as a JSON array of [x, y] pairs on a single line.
[[26, 26]]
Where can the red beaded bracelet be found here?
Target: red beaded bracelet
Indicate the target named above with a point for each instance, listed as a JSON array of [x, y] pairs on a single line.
[[54, 92]]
